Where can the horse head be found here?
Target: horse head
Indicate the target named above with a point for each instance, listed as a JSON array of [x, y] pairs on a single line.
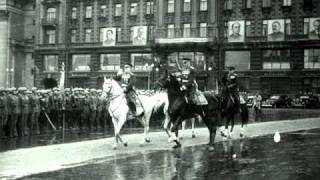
[[163, 80]]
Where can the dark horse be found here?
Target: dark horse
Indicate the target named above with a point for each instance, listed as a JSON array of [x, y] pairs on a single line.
[[179, 110], [229, 111]]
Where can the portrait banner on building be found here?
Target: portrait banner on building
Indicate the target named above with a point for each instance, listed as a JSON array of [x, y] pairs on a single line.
[[139, 35], [236, 31], [276, 30], [314, 29], [109, 37]]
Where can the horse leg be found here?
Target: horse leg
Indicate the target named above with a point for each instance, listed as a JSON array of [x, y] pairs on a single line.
[[121, 122], [192, 127], [175, 129], [166, 126], [115, 125]]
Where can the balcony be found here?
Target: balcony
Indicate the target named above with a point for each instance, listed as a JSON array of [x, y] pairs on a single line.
[[52, 22], [51, 2], [291, 37], [196, 35]]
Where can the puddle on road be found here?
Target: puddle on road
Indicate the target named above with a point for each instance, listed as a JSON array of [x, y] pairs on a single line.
[[296, 156]]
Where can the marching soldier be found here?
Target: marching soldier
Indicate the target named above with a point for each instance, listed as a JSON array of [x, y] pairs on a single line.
[[76, 107], [35, 112], [127, 80], [100, 107], [45, 109], [68, 108]]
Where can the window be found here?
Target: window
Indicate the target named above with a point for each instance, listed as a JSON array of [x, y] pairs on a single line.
[[198, 59], [286, 2], [203, 30], [118, 34], [170, 6], [186, 30], [276, 59], [264, 27], [103, 10], [118, 10], [141, 62], [306, 24], [89, 12], [51, 14], [203, 5], [247, 4], [312, 58], [150, 7], [110, 62], [170, 30], [74, 13], [81, 62], [133, 9], [248, 28], [51, 63], [186, 6], [238, 59], [51, 36], [266, 3], [228, 4], [73, 35], [288, 26], [88, 35]]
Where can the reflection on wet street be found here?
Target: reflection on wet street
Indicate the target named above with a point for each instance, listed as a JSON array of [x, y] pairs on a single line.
[[134, 127], [296, 156]]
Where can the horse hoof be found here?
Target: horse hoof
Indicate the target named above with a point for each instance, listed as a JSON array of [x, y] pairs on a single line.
[[210, 148], [125, 144], [148, 140], [241, 135], [193, 136]]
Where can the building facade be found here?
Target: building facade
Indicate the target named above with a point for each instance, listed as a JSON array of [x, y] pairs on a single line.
[[17, 27], [94, 38], [274, 45]]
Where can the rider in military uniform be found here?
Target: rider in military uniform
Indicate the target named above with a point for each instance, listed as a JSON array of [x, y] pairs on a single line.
[[231, 89], [127, 80]]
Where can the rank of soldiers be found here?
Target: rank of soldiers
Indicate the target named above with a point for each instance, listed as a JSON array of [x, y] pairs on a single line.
[[33, 111]]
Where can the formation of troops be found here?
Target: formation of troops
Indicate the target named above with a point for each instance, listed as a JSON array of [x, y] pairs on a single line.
[[33, 111]]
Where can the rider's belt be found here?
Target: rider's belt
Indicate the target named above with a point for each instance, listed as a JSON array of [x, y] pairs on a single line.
[[185, 81], [124, 85]]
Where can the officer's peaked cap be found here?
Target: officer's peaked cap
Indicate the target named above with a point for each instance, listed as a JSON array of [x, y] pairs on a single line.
[[129, 64], [186, 59], [231, 68]]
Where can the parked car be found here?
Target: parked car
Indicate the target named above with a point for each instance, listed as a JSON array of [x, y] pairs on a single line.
[[278, 101], [297, 103], [310, 101]]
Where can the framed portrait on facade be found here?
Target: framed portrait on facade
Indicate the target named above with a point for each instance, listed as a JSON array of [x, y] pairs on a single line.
[[109, 36], [139, 35], [314, 29], [236, 31], [276, 30]]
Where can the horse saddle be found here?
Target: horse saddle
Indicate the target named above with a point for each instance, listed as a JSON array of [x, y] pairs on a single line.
[[199, 98]]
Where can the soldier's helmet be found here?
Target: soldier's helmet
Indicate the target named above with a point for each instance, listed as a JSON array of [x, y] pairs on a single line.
[[28, 92], [34, 89], [22, 89], [231, 68]]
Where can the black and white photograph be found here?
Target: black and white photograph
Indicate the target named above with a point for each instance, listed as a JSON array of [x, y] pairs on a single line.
[[159, 89], [109, 36], [236, 31], [276, 30], [139, 35]]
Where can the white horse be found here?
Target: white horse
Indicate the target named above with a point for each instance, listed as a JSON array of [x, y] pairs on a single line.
[[118, 108]]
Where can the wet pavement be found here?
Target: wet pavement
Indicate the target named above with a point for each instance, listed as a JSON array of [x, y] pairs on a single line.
[[130, 127], [296, 156], [42, 159]]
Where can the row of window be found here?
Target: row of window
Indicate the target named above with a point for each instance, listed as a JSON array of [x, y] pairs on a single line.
[[108, 62], [248, 3], [117, 11], [272, 59], [187, 6], [283, 26]]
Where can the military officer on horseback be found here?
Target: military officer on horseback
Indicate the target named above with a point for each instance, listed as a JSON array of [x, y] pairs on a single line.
[[127, 81], [231, 88]]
